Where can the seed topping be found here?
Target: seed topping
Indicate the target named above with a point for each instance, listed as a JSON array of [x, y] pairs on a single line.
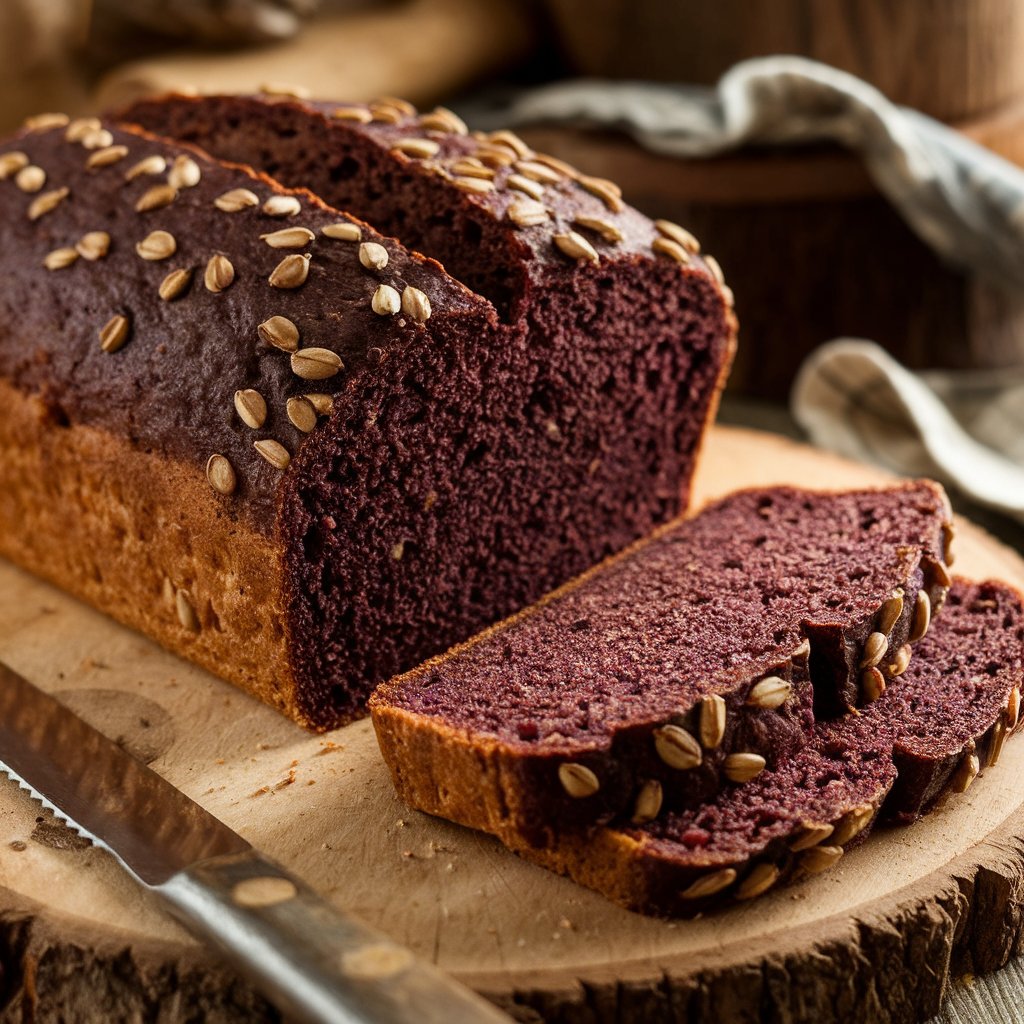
[[98, 139], [344, 231], [157, 245], [286, 90], [469, 167], [922, 616], [386, 301], [811, 835], [672, 249], [576, 247], [966, 772], [676, 747], [648, 802], [770, 692], [251, 408], [419, 149], [156, 198], [291, 272], [678, 234], [743, 767], [288, 238], [1013, 709], [527, 214], [280, 332], [301, 414], [709, 885], [274, 452], [47, 202], [44, 122], [236, 199], [415, 304], [154, 164], [948, 535], [578, 780], [521, 183], [872, 683], [221, 474], [538, 172], [175, 284], [441, 119], [220, 273], [358, 114], [820, 858], [80, 127], [114, 333], [106, 157], [715, 269], [281, 206], [608, 231], [323, 404], [853, 823], [712, 720], [510, 141], [93, 246], [759, 881], [11, 163], [30, 179], [373, 255], [186, 613], [874, 650], [60, 258], [900, 663], [315, 363], [184, 173], [890, 612], [479, 186], [607, 191]]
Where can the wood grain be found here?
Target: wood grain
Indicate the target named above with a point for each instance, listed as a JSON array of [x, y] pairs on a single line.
[[878, 938]]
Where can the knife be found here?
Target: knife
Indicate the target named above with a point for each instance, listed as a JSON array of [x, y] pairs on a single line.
[[311, 960]]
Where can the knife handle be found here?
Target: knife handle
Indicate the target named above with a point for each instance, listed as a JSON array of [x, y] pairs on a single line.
[[310, 959]]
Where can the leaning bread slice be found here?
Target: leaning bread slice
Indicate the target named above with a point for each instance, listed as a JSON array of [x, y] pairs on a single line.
[[685, 665], [926, 737]]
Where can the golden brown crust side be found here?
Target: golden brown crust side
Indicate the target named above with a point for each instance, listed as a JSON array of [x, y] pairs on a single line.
[[144, 539]]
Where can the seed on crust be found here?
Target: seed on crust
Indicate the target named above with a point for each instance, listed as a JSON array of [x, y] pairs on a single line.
[[647, 805], [114, 333], [538, 172], [156, 198], [154, 164], [106, 157], [998, 738], [398, 550], [59, 259], [966, 772], [220, 273], [770, 692], [872, 683], [578, 780], [709, 885], [93, 245], [677, 748], [286, 90], [511, 141], [465, 168], [274, 452], [384, 114], [922, 616], [607, 191], [47, 202], [555, 164], [186, 613], [11, 163], [280, 332], [417, 149], [386, 301], [344, 231], [715, 269], [396, 103], [373, 255], [281, 206], [358, 114], [672, 249], [80, 127], [315, 363], [323, 404], [899, 664], [874, 649], [759, 881], [415, 304], [288, 238], [527, 214], [679, 235], [441, 119], [236, 199], [820, 858], [811, 834], [948, 535], [530, 187], [30, 179], [576, 247], [478, 186], [184, 173], [853, 823], [495, 156], [251, 407], [890, 612], [175, 284], [712, 720], [157, 245], [99, 139], [802, 650], [1013, 709], [44, 122], [221, 474], [608, 231], [301, 414], [940, 575], [291, 272], [743, 767]]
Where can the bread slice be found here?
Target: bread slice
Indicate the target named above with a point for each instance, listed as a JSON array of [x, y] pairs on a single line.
[[928, 736], [689, 663]]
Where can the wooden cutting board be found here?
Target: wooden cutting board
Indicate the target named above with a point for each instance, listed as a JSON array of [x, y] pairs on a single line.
[[878, 938]]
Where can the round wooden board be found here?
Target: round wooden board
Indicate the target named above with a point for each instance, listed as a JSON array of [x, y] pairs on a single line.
[[878, 938]]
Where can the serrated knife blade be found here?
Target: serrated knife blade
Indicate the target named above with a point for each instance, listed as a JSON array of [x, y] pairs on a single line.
[[314, 962]]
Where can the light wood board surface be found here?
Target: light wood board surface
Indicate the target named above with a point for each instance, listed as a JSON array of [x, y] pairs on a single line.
[[882, 934]]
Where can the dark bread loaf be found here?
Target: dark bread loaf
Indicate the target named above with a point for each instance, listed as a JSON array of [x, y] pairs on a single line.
[[652, 681], [928, 736], [307, 523]]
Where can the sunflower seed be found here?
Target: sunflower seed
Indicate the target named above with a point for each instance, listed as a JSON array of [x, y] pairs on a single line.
[[382, 113], [291, 272], [495, 156], [44, 122], [80, 127], [175, 284], [221, 474], [398, 550], [743, 767], [1013, 708], [157, 245], [802, 651], [93, 245], [219, 273], [899, 664], [114, 333], [106, 157], [948, 535], [11, 163], [386, 301], [852, 824], [286, 90], [678, 234], [578, 780], [47, 202], [281, 206], [608, 231], [344, 231], [511, 141], [323, 404], [441, 119], [648, 802], [373, 255], [396, 103], [890, 612], [280, 332], [607, 191], [359, 114], [770, 692], [567, 170], [521, 183], [60, 258], [154, 164], [872, 684], [526, 214], [288, 238], [677, 748], [475, 185], [820, 858], [315, 363], [156, 198], [759, 881], [576, 247], [874, 650], [301, 414], [672, 249], [810, 835], [251, 408], [538, 172], [99, 139], [966, 772], [940, 575], [419, 149], [30, 179], [186, 613], [184, 173], [236, 199], [714, 269], [276, 454], [998, 738], [922, 616], [709, 885], [712, 720], [415, 304], [465, 168]]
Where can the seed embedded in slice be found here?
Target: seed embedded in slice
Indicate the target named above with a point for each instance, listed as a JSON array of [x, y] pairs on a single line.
[[344, 231], [274, 452], [872, 683], [288, 238], [948, 536], [608, 231], [398, 551], [709, 885], [679, 235], [526, 213], [301, 413], [156, 198], [251, 408], [1013, 708], [315, 363], [280, 332], [30, 179], [743, 767], [11, 163], [853, 823], [998, 738], [323, 404], [154, 164], [186, 612], [386, 301], [578, 780], [770, 692], [175, 284], [60, 258], [966, 772], [184, 173], [900, 663], [811, 835], [648, 802], [282, 206], [820, 858], [93, 245], [677, 748], [236, 199], [221, 474], [674, 251], [219, 273], [759, 881], [114, 333], [712, 720], [373, 255], [576, 247], [106, 157], [157, 245], [291, 272], [874, 650], [890, 612], [922, 616], [415, 304]]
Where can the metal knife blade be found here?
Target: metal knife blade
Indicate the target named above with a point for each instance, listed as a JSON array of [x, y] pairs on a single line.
[[313, 961]]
